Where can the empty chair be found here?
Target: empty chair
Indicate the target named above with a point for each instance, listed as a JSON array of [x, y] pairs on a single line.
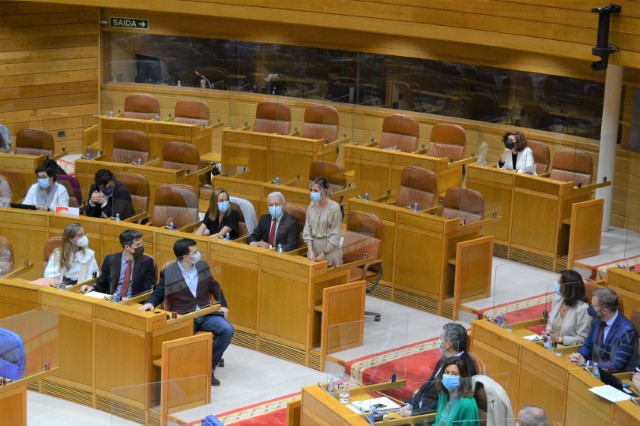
[[320, 122], [180, 155], [300, 215], [190, 111], [175, 204], [138, 187], [541, 156], [130, 146], [399, 132], [34, 142], [333, 172], [73, 188], [417, 185], [49, 247], [462, 203], [570, 165], [272, 117], [448, 140], [144, 107]]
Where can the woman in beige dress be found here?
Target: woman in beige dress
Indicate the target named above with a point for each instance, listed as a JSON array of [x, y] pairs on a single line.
[[569, 322], [322, 228]]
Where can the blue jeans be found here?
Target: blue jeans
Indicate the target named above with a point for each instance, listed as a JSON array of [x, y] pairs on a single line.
[[222, 333]]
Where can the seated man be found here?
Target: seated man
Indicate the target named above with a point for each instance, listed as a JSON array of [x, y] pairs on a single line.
[[128, 272], [453, 342], [277, 227], [109, 197], [612, 341], [189, 286], [532, 415]]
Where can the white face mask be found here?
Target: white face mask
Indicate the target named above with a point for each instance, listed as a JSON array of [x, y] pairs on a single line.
[[83, 242]]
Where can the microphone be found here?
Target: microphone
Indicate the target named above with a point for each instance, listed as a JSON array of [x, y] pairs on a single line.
[[213, 85], [203, 79]]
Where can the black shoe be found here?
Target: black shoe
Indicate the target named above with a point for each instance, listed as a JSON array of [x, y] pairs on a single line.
[[221, 363], [214, 381]]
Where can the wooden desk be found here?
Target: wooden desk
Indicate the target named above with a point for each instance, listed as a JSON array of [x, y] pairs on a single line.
[[20, 171]]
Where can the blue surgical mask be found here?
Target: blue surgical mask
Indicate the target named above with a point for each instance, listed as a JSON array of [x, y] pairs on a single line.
[[196, 257], [556, 288], [223, 206], [43, 183], [107, 191], [592, 311], [450, 382], [315, 196], [440, 345], [275, 211]]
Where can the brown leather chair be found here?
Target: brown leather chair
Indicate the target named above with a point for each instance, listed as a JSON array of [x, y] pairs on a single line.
[[140, 106], [6, 256], [300, 215], [138, 187], [49, 247], [34, 142], [401, 132], [272, 117], [130, 146], [480, 366], [320, 122], [448, 140], [333, 172], [73, 189], [242, 226], [541, 156], [417, 185], [189, 111], [177, 204], [571, 165], [466, 204], [180, 155]]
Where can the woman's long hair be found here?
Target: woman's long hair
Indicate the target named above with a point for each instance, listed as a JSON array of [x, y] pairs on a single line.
[[66, 251], [465, 389], [572, 288], [213, 204]]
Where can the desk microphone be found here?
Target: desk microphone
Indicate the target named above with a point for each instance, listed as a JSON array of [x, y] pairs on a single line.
[[203, 78]]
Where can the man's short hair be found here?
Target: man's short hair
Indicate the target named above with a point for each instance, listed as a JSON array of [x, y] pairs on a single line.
[[457, 335], [103, 177], [181, 247], [277, 194], [532, 415], [129, 236], [607, 298]]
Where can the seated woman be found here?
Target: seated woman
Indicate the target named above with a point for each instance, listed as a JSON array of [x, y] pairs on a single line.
[[47, 194], [220, 219], [517, 155], [569, 322], [323, 224], [73, 262], [456, 404]]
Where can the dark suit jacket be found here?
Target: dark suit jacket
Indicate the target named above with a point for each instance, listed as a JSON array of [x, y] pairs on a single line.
[[144, 274], [288, 233], [619, 351], [179, 298], [428, 393], [121, 198]]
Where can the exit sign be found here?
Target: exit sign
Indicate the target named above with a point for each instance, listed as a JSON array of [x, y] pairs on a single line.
[[138, 24]]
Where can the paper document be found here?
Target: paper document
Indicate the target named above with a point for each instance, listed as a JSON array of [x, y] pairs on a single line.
[[610, 393], [533, 338], [381, 404], [98, 295]]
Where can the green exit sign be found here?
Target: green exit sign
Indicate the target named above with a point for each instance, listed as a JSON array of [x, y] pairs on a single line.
[[138, 24]]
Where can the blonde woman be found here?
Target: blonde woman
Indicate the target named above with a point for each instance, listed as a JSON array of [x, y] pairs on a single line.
[[74, 261], [322, 228]]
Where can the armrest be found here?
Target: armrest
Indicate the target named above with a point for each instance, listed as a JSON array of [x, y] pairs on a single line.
[[152, 163], [19, 271], [432, 210], [365, 261], [188, 228], [242, 240], [300, 251], [462, 162], [138, 218], [59, 155], [201, 171], [220, 123], [245, 127], [346, 192], [545, 174], [195, 314], [139, 298]]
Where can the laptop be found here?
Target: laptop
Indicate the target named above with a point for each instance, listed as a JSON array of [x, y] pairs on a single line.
[[613, 381], [22, 206]]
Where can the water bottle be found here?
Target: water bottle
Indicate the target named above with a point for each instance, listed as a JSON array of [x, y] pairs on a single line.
[[179, 83], [343, 394], [500, 320], [366, 196], [277, 181], [280, 248], [416, 208], [547, 342], [1, 273], [227, 237], [331, 387], [117, 217], [274, 90], [171, 226], [596, 371]]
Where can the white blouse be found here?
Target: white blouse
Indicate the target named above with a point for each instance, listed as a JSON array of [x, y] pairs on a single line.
[[82, 268]]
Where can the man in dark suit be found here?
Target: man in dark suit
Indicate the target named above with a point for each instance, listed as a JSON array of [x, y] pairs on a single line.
[[453, 342], [612, 341], [131, 262], [109, 198], [187, 285], [277, 227]]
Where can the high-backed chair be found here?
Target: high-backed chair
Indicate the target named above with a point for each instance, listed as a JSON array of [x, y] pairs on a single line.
[[417, 185], [400, 132], [49, 247], [448, 140], [34, 142], [242, 225], [463, 203], [571, 165], [175, 203], [480, 366], [138, 187], [320, 122], [272, 117], [333, 172], [140, 106], [184, 156], [362, 248], [73, 188], [190, 111], [130, 146], [300, 215], [541, 156]]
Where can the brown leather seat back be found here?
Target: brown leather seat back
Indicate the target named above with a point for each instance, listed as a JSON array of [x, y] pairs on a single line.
[[320, 122], [463, 203], [363, 237], [448, 140], [180, 155], [140, 106], [571, 165], [130, 146], [49, 247], [175, 203], [300, 215], [333, 172], [417, 185], [272, 117], [541, 156], [401, 132], [480, 367], [6, 255], [72, 185], [191, 111], [138, 187], [34, 142]]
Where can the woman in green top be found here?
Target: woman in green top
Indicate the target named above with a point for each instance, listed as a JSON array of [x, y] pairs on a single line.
[[455, 399]]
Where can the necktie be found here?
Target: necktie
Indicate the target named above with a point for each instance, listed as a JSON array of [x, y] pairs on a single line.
[[272, 233], [600, 349], [126, 280]]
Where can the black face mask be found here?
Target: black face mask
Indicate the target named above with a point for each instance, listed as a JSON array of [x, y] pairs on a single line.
[[139, 251], [592, 311], [509, 144]]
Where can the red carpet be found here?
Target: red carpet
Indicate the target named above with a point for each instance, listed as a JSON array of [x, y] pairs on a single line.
[[265, 413]]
